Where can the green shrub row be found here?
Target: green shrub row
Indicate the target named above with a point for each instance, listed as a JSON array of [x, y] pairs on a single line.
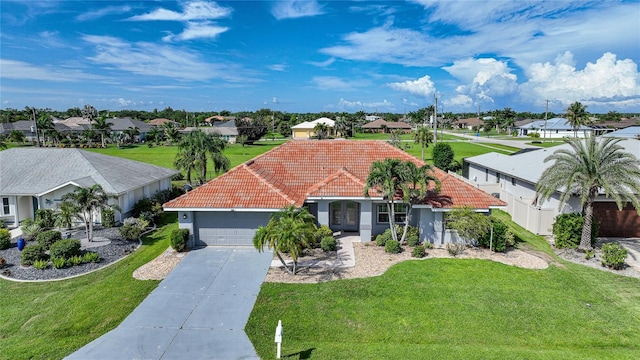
[[502, 237], [48, 238], [567, 230], [5, 239], [179, 239]]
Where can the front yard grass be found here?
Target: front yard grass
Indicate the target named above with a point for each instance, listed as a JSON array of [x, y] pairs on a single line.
[[456, 309], [50, 320]]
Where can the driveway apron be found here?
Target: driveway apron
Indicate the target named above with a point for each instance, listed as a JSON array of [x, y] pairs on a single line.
[[198, 311]]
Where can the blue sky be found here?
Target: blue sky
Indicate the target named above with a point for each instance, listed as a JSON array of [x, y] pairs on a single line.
[[312, 56]]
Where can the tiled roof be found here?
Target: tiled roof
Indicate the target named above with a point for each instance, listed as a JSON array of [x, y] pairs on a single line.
[[288, 174]]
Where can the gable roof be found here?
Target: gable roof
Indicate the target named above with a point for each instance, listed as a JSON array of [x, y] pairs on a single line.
[[34, 171], [378, 124], [298, 170], [121, 124], [553, 124], [312, 124], [631, 132]]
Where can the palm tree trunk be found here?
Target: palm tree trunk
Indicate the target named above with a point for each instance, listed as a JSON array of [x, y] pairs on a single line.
[[392, 221], [585, 239], [422, 151], [284, 263]]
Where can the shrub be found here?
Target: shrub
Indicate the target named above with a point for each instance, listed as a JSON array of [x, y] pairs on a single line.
[[45, 218], [76, 260], [323, 231], [427, 245], [3, 263], [502, 237], [418, 252], [179, 238], [382, 239], [91, 257], [328, 243], [5, 239], [133, 228], [48, 238], [455, 249], [163, 196], [567, 230], [142, 205], [41, 264], [66, 248], [59, 263], [613, 256], [2, 224], [413, 240], [392, 247], [27, 222], [30, 231], [108, 218], [32, 253], [443, 156]]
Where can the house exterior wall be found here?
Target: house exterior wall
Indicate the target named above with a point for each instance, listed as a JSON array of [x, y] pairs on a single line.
[[302, 134], [10, 215]]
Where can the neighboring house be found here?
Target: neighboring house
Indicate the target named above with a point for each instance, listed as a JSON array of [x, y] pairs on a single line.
[[37, 178], [514, 178], [327, 177], [24, 126], [228, 133], [162, 121], [305, 130], [121, 124], [554, 128], [631, 132], [382, 125], [469, 123]]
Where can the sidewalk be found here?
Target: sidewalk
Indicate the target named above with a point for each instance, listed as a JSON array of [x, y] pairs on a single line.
[[520, 144]]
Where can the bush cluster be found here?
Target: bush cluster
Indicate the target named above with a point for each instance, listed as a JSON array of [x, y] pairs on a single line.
[[30, 230], [66, 249], [32, 253], [443, 156], [502, 237], [45, 218], [392, 247], [328, 243], [5, 239], [323, 231], [48, 238], [133, 228], [107, 218], [613, 256], [567, 230], [41, 264], [419, 251], [179, 238], [455, 249]]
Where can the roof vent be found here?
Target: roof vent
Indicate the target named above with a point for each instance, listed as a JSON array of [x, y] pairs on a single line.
[[249, 163]]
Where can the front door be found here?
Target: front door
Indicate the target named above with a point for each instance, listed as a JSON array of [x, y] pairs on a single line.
[[344, 216]]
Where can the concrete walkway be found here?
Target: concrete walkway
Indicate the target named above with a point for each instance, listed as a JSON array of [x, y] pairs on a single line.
[[520, 144], [198, 311], [346, 256]]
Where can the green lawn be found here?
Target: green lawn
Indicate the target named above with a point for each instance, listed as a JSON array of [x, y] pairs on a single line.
[[460, 149], [50, 320], [455, 309], [546, 144]]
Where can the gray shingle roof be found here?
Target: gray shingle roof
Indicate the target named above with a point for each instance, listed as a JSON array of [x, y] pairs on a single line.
[[32, 171]]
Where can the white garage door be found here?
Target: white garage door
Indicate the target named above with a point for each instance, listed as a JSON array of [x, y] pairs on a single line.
[[228, 228]]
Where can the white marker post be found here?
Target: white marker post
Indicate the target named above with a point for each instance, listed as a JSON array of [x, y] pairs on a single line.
[[278, 339]]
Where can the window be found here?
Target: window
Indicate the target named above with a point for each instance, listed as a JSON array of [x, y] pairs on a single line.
[[486, 175], [400, 211], [497, 178], [5, 206]]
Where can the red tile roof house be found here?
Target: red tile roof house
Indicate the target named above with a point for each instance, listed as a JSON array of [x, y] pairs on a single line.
[[327, 177]]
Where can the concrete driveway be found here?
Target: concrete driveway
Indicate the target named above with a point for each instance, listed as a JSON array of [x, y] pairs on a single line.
[[199, 311]]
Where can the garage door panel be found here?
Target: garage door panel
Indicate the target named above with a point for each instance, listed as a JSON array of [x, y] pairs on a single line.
[[229, 228]]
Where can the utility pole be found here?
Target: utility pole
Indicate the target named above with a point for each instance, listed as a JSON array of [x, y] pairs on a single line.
[[546, 110], [35, 125], [435, 119]]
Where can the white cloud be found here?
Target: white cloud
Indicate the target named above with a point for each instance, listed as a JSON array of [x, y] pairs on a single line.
[[607, 81], [277, 67], [459, 100], [151, 59], [291, 9], [483, 79], [410, 103], [194, 10], [422, 87], [275, 100], [336, 84], [197, 30], [13, 69], [322, 64], [97, 14], [368, 105]]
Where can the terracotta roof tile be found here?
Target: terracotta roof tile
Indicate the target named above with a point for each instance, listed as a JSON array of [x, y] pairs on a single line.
[[289, 173]]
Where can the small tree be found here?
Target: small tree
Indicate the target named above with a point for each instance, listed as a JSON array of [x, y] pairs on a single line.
[[471, 225], [288, 231], [443, 156], [85, 204]]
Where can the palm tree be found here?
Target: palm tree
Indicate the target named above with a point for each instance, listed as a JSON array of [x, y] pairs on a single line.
[[130, 134], [171, 132], [196, 146], [415, 187], [423, 137], [321, 130], [289, 231], [85, 203], [44, 125], [88, 135], [508, 116], [16, 136], [186, 160], [154, 135], [387, 176], [102, 126], [584, 169], [577, 116]]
